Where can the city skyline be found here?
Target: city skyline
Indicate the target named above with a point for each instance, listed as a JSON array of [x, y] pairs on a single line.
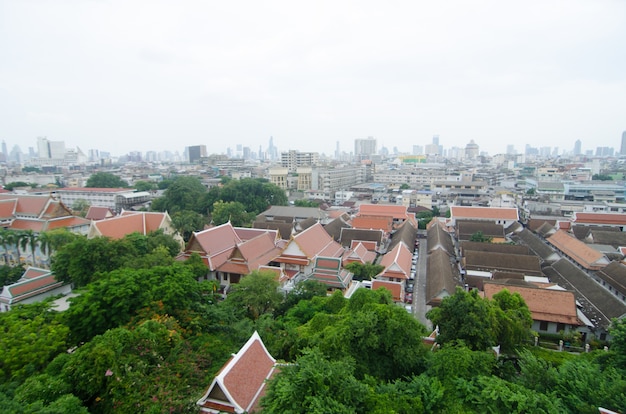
[[140, 76]]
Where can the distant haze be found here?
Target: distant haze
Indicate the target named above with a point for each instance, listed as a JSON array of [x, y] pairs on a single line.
[[125, 76]]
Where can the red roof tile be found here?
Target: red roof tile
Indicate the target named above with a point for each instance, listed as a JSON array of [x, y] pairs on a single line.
[[120, 226], [98, 213], [373, 223], [398, 212], [397, 262], [483, 213], [240, 384], [600, 218], [23, 224], [584, 255], [315, 241], [548, 305]]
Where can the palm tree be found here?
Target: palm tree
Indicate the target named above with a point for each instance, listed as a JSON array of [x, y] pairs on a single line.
[[5, 241], [28, 238], [45, 245], [12, 239]]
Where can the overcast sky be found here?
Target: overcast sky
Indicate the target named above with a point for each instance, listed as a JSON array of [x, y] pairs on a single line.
[[129, 75]]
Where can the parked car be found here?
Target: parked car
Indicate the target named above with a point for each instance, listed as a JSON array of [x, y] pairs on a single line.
[[408, 298], [409, 287]]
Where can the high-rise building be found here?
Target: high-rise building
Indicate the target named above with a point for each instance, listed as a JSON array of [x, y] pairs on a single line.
[[622, 150], [51, 150], [364, 148], [471, 150], [195, 152], [577, 147], [293, 159]]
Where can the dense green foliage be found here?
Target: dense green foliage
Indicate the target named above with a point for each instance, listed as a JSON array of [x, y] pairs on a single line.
[[237, 201], [105, 180], [83, 260], [306, 203], [364, 271], [16, 184], [145, 337]]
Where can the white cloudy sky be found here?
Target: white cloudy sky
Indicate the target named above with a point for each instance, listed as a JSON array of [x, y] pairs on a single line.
[[137, 75]]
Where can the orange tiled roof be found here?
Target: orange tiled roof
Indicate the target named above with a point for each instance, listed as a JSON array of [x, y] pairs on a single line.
[[397, 262], [240, 384], [373, 223], [396, 289], [398, 212], [600, 218], [548, 305], [584, 255], [67, 222], [7, 208], [120, 226], [23, 224], [94, 190], [98, 213], [484, 213], [315, 241]]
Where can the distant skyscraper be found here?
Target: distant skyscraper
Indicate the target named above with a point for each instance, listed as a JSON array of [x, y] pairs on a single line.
[[364, 148], [436, 139], [471, 150], [272, 151], [195, 152], [623, 147], [510, 149], [5, 152], [577, 147]]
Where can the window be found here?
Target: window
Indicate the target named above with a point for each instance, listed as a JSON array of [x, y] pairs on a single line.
[[543, 325], [560, 327]]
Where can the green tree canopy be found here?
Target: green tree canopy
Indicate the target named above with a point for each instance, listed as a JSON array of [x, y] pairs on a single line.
[[316, 384], [182, 194], [384, 340], [186, 222], [468, 317], [480, 237], [232, 211], [105, 180], [31, 337], [256, 294], [255, 194], [16, 184], [115, 298], [364, 271], [145, 186]]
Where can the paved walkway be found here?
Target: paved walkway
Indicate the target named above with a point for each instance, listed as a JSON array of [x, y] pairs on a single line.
[[419, 290]]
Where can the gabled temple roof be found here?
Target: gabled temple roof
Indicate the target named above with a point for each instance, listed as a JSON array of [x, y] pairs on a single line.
[[558, 306], [578, 251], [240, 384]]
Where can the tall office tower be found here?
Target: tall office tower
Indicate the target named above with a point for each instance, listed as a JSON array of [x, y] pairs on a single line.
[[337, 151], [54, 150], [510, 149], [436, 139], [471, 150], [364, 148], [418, 150], [622, 150], [577, 147], [272, 151], [5, 152], [195, 152], [293, 159]]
